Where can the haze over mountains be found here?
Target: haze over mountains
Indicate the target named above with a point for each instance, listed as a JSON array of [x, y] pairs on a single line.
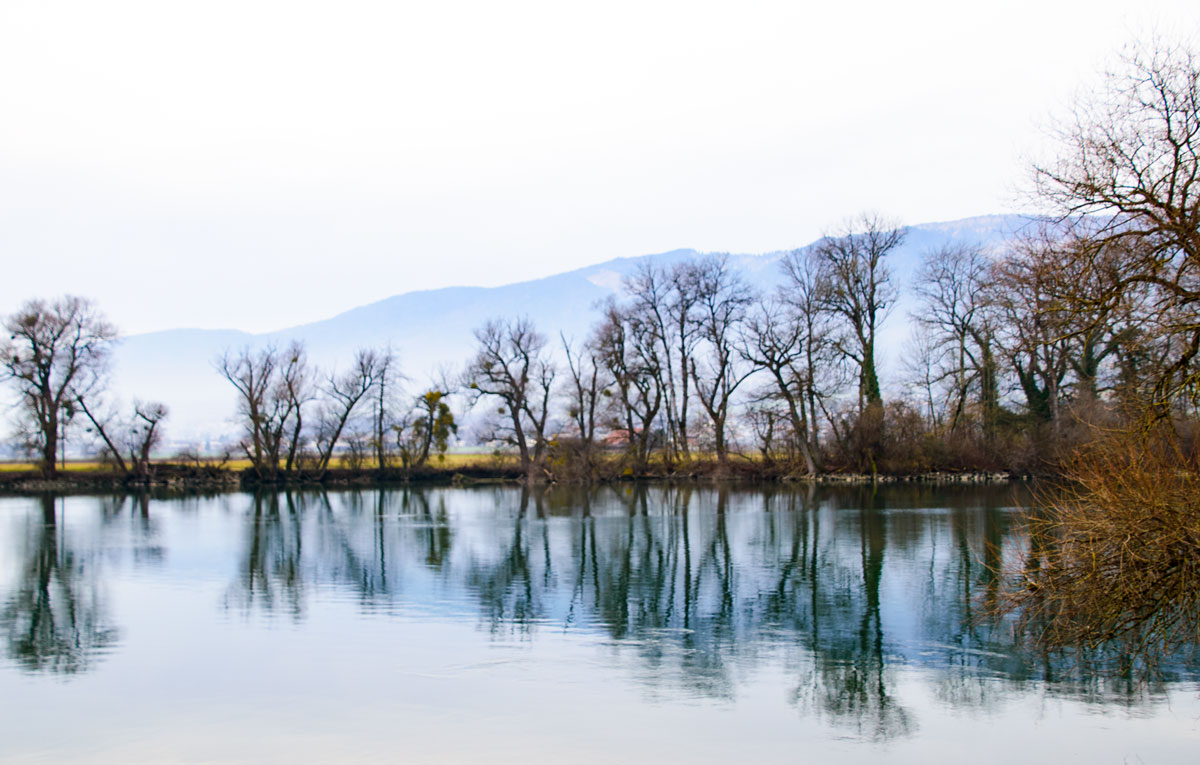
[[430, 329]]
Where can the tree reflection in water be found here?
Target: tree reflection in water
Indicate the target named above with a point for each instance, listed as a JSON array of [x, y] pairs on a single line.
[[698, 584], [271, 578], [56, 620], [689, 589]]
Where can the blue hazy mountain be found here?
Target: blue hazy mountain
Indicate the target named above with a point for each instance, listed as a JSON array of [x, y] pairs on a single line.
[[433, 328]]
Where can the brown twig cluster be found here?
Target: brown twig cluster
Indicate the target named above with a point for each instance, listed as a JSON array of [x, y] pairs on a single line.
[[1114, 560]]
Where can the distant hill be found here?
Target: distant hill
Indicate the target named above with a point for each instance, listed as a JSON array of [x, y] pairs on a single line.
[[434, 327]]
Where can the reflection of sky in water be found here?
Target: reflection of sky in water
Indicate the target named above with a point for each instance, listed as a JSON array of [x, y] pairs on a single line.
[[488, 624]]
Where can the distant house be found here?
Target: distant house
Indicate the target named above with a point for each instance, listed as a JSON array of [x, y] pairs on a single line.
[[617, 438]]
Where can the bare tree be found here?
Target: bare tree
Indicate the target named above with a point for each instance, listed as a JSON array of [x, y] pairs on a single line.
[[776, 342], [1112, 560], [143, 434], [1128, 173], [859, 291], [1034, 325], [342, 395], [716, 367], [952, 284], [769, 421], [628, 348], [587, 387], [1101, 318], [252, 375], [134, 436], [1065, 326], [924, 361], [666, 302], [105, 426], [56, 354], [272, 390], [382, 403], [509, 365], [803, 290], [297, 386]]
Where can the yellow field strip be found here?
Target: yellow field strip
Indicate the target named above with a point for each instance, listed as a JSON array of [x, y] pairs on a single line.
[[451, 461]]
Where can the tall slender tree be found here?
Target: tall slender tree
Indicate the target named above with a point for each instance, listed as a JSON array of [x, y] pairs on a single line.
[[717, 369], [860, 291]]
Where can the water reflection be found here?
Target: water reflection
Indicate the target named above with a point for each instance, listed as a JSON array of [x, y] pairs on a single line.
[[56, 619], [691, 588], [693, 582], [270, 577]]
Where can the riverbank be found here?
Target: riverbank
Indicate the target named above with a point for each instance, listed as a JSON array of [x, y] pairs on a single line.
[[173, 477]]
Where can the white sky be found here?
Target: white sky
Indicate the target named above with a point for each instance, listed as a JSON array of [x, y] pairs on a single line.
[[257, 164]]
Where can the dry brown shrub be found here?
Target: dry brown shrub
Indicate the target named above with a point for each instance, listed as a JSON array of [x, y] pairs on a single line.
[[1114, 559]]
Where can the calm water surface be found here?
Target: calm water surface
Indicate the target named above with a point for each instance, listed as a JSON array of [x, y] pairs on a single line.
[[461, 625]]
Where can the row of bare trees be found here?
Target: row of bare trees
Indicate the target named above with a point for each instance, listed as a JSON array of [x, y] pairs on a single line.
[[1012, 344], [1089, 319], [56, 361], [1020, 352], [1016, 344], [672, 367], [294, 416], [1037, 317]]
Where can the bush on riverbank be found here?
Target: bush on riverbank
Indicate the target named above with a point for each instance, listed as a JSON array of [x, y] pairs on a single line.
[[1115, 557]]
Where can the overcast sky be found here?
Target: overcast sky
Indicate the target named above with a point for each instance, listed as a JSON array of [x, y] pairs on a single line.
[[257, 164]]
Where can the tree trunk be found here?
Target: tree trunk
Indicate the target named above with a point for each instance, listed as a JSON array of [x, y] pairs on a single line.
[[869, 380], [50, 449]]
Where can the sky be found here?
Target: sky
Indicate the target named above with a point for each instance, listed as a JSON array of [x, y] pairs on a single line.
[[260, 164]]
